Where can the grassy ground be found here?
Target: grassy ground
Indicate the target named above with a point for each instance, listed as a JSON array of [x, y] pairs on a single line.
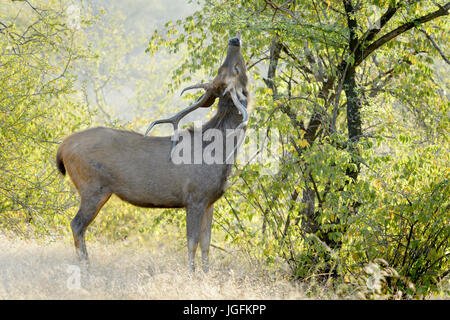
[[49, 269], [32, 269]]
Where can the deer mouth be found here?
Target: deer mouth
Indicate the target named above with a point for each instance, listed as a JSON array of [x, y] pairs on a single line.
[[234, 42]]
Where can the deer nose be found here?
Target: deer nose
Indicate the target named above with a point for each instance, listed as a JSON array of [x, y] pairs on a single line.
[[234, 42]]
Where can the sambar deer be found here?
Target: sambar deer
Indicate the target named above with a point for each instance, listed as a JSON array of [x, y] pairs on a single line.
[[139, 169]]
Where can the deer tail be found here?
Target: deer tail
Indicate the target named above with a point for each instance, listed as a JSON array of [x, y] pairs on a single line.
[[60, 163]]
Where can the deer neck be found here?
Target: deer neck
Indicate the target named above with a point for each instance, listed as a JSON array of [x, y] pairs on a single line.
[[226, 117]]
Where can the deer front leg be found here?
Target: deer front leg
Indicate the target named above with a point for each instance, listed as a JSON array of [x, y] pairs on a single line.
[[194, 218], [205, 236]]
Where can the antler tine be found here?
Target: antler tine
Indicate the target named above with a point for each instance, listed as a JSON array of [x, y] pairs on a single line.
[[241, 109], [244, 122], [175, 119], [205, 86], [155, 123]]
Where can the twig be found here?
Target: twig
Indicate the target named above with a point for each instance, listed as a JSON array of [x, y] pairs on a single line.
[[435, 45]]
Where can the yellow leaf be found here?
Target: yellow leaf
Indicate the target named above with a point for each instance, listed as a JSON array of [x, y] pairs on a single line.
[[303, 143]]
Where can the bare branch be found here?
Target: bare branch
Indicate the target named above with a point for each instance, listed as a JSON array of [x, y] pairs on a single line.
[[370, 34], [435, 45], [442, 11]]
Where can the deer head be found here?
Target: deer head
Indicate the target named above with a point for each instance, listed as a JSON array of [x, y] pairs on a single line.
[[231, 79]]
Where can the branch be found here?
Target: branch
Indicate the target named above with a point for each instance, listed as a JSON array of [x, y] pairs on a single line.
[[435, 45], [370, 34], [352, 24], [313, 126], [4, 27], [275, 50], [328, 6], [301, 65], [256, 62], [442, 11]]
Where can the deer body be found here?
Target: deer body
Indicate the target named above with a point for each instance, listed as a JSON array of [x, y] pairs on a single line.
[[137, 168]]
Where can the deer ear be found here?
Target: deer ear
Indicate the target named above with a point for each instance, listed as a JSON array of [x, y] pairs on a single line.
[[238, 35]]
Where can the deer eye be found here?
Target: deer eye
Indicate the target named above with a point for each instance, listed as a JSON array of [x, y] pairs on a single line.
[[236, 69]]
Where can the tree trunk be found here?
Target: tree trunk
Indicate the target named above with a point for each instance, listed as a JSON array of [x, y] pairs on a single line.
[[309, 224], [353, 116]]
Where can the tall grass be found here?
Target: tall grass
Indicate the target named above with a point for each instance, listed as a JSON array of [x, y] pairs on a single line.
[[37, 269]]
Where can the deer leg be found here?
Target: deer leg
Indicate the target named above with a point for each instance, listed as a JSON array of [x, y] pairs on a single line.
[[194, 218], [90, 206], [205, 236]]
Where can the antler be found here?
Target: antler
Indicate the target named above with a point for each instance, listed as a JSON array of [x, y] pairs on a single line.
[[204, 101], [205, 86], [242, 110], [177, 117]]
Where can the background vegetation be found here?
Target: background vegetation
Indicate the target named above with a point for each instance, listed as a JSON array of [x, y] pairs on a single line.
[[356, 90]]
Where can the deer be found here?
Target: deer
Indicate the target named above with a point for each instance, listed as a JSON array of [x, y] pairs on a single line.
[[139, 168]]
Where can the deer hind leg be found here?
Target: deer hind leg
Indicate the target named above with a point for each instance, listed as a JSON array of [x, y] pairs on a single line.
[[91, 203], [205, 236], [194, 219]]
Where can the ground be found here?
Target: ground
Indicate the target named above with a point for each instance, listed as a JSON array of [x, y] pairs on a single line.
[[49, 269]]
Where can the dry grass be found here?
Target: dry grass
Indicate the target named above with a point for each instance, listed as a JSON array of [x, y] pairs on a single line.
[[43, 269]]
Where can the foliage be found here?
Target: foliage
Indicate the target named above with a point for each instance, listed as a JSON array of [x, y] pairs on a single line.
[[404, 219], [38, 107], [354, 93], [358, 100]]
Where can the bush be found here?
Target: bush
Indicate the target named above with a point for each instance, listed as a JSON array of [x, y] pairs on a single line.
[[404, 221]]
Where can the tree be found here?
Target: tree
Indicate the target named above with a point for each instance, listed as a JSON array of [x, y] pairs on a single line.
[[38, 47], [339, 73]]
